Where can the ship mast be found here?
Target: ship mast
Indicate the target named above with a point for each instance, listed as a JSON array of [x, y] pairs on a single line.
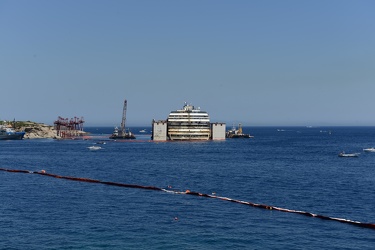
[[123, 118]]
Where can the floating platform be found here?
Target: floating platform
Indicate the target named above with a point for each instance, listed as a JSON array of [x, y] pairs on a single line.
[[121, 137]]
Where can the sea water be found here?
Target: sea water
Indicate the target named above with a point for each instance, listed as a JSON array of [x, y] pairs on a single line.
[[289, 167]]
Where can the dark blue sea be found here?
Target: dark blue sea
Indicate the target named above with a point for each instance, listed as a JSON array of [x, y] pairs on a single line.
[[290, 167]]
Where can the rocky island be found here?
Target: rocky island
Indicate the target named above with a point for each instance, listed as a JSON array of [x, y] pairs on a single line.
[[34, 130]]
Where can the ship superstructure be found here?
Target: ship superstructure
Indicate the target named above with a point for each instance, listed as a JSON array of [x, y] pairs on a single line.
[[188, 123]]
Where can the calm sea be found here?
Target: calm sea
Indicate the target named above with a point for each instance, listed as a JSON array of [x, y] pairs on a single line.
[[289, 167]]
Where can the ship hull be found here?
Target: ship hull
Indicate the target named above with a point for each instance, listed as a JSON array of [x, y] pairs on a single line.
[[12, 136], [188, 138], [127, 137], [240, 136], [188, 124]]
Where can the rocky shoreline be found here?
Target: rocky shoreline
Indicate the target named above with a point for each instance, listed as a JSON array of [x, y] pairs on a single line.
[[35, 130], [38, 131]]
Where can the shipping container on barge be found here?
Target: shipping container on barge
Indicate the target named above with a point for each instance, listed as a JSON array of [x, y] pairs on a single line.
[[187, 124]]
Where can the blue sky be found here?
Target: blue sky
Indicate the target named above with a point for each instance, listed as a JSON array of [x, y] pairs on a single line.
[[265, 62]]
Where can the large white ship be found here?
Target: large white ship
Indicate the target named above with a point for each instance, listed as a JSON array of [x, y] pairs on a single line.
[[188, 123]]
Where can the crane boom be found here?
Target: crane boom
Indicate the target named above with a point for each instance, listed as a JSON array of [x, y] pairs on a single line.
[[122, 134], [124, 118]]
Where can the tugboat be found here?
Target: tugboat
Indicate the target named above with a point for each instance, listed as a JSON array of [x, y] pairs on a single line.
[[237, 133], [122, 134], [7, 133]]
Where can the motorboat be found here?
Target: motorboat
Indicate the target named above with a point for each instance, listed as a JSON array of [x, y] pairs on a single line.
[[372, 150], [93, 148], [343, 154]]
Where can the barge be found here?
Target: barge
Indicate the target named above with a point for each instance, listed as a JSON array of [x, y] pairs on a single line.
[[122, 133]]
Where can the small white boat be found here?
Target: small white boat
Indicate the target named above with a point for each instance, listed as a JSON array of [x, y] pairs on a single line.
[[372, 150], [94, 148], [142, 131], [343, 154]]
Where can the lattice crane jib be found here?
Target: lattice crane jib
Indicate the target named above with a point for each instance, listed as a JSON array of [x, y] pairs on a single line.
[[124, 118]]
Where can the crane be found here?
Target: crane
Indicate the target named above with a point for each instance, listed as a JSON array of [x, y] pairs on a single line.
[[122, 134], [124, 118]]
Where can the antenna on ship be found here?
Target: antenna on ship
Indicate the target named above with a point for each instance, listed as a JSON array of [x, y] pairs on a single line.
[[124, 118]]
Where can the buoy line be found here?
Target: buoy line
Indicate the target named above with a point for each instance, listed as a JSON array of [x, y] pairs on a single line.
[[188, 192]]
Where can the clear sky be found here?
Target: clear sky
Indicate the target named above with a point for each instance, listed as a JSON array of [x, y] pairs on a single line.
[[265, 62]]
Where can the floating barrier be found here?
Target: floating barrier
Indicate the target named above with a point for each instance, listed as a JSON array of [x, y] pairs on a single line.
[[188, 192]]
